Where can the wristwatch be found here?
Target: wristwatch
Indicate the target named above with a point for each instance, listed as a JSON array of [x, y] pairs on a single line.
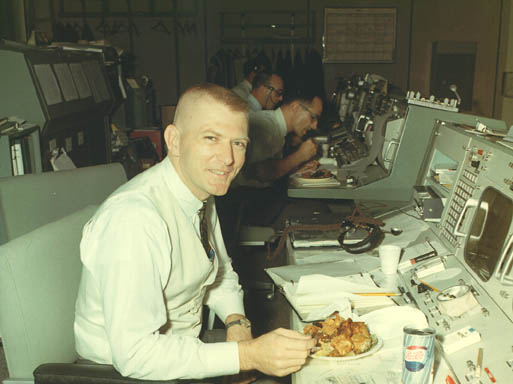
[[242, 321]]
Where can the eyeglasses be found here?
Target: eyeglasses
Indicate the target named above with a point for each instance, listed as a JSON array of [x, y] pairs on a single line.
[[312, 115], [279, 92]]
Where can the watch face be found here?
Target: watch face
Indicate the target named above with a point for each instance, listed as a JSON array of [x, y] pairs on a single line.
[[244, 322]]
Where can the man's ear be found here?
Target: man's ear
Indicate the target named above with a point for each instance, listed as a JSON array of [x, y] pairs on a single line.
[[172, 139]]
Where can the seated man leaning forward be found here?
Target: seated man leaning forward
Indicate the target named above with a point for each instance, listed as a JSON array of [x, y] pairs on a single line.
[[147, 272], [268, 130]]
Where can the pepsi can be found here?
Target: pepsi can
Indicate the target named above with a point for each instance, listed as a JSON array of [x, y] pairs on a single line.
[[418, 355]]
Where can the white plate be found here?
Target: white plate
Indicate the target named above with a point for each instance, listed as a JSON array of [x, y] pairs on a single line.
[[376, 347], [474, 132], [305, 180]]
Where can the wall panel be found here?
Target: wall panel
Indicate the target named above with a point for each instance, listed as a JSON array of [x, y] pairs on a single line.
[[458, 21]]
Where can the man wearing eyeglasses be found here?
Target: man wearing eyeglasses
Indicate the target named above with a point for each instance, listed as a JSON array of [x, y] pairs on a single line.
[[267, 92], [265, 162]]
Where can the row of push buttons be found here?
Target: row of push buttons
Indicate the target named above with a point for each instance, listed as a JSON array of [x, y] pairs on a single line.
[[467, 189], [449, 236], [462, 193], [469, 175]]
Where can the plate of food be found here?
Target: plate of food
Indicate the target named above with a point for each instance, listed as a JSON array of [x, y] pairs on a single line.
[[318, 176], [340, 339]]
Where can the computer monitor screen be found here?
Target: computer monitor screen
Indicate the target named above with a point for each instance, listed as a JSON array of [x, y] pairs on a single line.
[[48, 84], [80, 79], [96, 81], [66, 81]]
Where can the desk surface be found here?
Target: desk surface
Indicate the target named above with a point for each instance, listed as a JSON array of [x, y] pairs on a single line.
[[382, 367]]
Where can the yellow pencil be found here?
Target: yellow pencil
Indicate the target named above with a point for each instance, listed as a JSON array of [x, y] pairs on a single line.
[[428, 285], [378, 294]]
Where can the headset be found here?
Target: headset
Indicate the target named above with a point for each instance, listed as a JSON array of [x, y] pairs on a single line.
[[355, 220], [374, 238]]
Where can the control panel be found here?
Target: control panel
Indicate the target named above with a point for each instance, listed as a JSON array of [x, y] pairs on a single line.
[[463, 191], [467, 296], [466, 319], [447, 104]]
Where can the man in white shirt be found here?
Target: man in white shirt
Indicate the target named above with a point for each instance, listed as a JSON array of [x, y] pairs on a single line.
[[147, 271], [267, 92], [243, 89], [265, 162], [251, 68]]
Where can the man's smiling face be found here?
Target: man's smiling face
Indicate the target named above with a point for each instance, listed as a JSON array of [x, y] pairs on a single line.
[[211, 147]]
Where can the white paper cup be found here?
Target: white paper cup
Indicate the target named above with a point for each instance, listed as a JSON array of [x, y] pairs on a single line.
[[389, 256], [325, 150]]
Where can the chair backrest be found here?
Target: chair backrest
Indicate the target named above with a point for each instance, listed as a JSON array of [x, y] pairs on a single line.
[[41, 221], [29, 201], [39, 278]]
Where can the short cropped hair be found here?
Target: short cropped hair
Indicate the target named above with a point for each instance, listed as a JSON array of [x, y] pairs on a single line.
[[262, 78], [214, 92], [299, 95]]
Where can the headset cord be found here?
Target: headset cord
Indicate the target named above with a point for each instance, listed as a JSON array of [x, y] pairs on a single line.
[[355, 220]]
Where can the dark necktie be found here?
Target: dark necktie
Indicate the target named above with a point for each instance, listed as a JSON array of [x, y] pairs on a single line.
[[204, 231]]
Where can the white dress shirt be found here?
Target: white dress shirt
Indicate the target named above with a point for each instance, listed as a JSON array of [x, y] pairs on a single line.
[[243, 89], [145, 278], [267, 131], [254, 105]]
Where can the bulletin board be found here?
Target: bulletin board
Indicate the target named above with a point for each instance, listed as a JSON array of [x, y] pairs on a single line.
[[359, 35]]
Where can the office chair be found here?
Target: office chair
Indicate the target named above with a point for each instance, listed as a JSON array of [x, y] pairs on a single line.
[[40, 271]]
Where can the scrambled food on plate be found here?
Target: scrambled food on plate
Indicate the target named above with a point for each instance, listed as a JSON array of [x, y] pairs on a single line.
[[319, 174], [338, 337], [312, 165]]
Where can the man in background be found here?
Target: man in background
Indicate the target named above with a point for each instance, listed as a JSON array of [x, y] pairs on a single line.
[[265, 162], [267, 92], [251, 68]]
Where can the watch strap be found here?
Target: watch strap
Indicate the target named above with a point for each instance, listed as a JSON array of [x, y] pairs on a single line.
[[242, 321]]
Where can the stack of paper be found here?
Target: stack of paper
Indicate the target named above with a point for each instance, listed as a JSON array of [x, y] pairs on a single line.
[[320, 238], [312, 293], [445, 173]]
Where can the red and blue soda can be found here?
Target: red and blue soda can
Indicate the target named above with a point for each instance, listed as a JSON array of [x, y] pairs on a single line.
[[418, 355]]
